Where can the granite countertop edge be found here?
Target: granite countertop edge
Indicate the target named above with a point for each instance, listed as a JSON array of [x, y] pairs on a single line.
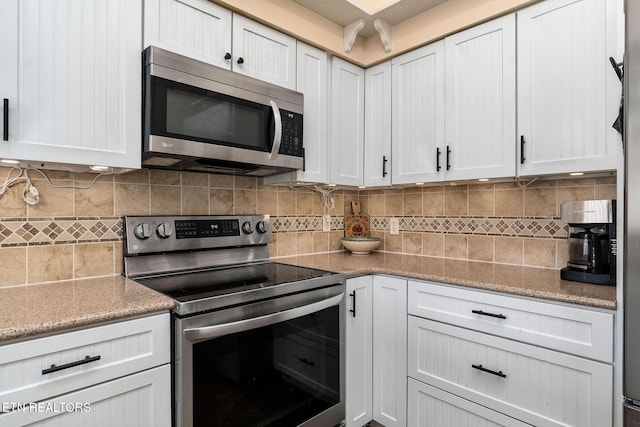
[[534, 293], [138, 300], [372, 266]]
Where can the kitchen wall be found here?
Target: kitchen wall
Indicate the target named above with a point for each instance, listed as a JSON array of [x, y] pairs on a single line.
[[76, 233]]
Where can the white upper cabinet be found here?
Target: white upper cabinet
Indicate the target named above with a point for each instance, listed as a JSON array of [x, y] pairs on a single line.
[[347, 123], [480, 87], [568, 93], [313, 82], [72, 89], [418, 109], [198, 29], [263, 53], [377, 125], [204, 31]]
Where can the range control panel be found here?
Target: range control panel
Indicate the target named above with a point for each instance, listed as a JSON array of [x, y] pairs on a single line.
[[155, 234]]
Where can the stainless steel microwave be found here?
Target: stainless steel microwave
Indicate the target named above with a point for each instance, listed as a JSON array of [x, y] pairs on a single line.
[[201, 117]]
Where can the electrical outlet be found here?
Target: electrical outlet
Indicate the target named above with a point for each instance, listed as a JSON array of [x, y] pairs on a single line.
[[326, 222], [394, 226]]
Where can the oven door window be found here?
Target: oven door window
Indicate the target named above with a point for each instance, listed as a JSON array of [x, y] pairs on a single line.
[[186, 112], [277, 375]]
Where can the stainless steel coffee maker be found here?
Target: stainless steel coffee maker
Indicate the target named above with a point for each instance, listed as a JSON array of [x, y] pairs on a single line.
[[592, 241]]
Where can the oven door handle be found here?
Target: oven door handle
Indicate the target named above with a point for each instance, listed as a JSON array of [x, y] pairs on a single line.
[[277, 135], [208, 332]]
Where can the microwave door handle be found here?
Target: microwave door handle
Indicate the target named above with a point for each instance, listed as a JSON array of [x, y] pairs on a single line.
[[277, 135], [208, 332]]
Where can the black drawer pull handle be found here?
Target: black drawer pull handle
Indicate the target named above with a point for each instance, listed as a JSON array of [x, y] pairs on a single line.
[[489, 371], [5, 132], [55, 368], [522, 158], [353, 310], [306, 361], [240, 61], [227, 56], [484, 313], [448, 155], [384, 166], [438, 167]]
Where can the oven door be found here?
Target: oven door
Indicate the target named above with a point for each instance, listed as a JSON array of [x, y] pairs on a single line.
[[278, 362]]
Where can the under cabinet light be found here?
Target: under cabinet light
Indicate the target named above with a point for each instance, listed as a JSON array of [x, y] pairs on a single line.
[[483, 179], [576, 173], [11, 162], [419, 183], [99, 168]]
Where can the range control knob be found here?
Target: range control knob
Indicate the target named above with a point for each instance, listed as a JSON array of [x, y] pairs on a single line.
[[164, 230], [246, 227], [261, 227], [142, 231]]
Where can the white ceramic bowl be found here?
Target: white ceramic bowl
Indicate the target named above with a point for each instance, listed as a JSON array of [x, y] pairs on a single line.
[[361, 245]]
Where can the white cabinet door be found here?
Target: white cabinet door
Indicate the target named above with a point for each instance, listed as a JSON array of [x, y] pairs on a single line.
[[431, 407], [312, 81], [538, 386], [418, 109], [568, 93], [198, 29], [73, 89], [139, 400], [347, 123], [359, 357], [481, 101], [263, 53], [377, 125], [390, 351]]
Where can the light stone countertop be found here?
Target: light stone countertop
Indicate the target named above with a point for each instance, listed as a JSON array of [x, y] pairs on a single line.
[[519, 280], [30, 310]]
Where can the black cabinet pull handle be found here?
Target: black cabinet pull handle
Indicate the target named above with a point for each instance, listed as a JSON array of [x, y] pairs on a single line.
[[227, 56], [353, 310], [306, 361], [55, 368], [384, 166], [5, 132], [522, 158], [438, 167], [484, 313], [240, 60], [448, 155], [489, 371]]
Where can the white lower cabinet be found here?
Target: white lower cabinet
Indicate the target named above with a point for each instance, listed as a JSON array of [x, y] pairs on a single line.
[[505, 358], [111, 375], [359, 351], [139, 400], [428, 406], [376, 357]]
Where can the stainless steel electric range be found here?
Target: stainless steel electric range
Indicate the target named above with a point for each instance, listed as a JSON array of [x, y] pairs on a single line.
[[255, 342]]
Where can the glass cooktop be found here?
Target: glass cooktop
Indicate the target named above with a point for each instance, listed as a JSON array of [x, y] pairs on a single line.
[[219, 282]]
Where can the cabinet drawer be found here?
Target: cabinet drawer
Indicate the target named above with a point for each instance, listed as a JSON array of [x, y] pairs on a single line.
[[140, 400], [580, 331], [535, 385], [123, 348], [431, 407]]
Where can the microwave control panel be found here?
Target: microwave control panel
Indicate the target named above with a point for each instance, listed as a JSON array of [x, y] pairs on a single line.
[[291, 143]]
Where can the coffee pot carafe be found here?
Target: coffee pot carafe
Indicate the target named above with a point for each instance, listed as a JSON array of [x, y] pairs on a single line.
[[591, 241]]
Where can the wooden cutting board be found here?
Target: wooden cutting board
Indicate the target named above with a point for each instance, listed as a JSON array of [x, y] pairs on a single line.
[[356, 224]]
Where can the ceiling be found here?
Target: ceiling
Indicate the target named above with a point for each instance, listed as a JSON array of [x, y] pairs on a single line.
[[344, 12]]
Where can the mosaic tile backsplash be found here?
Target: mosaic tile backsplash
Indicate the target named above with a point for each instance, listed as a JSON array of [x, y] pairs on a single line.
[[77, 232]]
